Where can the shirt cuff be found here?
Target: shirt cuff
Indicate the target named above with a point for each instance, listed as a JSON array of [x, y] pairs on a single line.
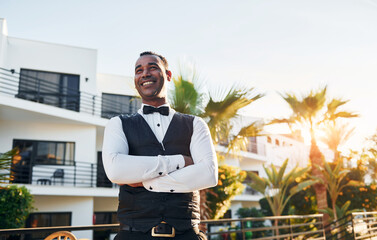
[[174, 162]]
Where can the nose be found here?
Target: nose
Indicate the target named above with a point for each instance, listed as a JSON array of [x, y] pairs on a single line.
[[145, 73]]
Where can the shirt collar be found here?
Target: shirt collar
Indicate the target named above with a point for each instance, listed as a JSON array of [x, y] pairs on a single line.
[[171, 110]]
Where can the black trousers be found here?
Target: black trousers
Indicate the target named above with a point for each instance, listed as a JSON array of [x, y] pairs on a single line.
[[187, 235]]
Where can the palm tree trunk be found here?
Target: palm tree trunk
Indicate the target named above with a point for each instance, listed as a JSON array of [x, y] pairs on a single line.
[[317, 159], [276, 224], [205, 211]]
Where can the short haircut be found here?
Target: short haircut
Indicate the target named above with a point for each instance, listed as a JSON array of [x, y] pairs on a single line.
[[166, 65]]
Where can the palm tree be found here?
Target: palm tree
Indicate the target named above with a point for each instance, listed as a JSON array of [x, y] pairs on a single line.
[[336, 134], [5, 165], [275, 187], [309, 112], [334, 179], [218, 108]]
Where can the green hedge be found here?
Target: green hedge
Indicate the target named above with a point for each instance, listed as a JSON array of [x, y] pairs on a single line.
[[15, 205]]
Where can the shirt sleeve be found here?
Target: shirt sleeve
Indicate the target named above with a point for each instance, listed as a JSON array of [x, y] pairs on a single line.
[[122, 168], [202, 174]]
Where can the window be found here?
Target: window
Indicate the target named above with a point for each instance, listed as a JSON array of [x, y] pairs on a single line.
[[47, 219], [277, 143], [252, 145], [56, 89], [247, 181], [114, 104], [269, 139], [46, 152], [105, 218]]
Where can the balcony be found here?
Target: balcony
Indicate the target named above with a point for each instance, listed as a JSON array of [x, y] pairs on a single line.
[[73, 174], [62, 91], [251, 147]]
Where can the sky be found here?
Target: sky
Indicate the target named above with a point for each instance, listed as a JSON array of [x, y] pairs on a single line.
[[275, 46]]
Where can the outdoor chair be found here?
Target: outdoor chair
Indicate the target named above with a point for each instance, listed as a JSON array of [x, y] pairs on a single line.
[[62, 235], [59, 173]]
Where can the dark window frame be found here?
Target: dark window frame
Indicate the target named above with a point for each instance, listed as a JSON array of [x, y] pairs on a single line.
[[110, 214], [42, 235], [48, 92], [28, 223], [33, 157], [107, 107]]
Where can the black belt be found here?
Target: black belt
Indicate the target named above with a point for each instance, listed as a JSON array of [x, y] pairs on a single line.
[[160, 230]]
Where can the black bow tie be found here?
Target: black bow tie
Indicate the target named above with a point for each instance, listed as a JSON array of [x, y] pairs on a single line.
[[162, 110]]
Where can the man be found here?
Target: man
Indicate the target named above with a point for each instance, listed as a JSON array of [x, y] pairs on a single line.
[[161, 159]]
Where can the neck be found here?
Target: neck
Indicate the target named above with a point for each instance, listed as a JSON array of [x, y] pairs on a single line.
[[155, 102]]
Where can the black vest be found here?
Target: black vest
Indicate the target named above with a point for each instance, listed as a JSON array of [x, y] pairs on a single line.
[[142, 209]]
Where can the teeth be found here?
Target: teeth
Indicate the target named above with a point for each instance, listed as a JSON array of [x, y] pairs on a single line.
[[147, 83]]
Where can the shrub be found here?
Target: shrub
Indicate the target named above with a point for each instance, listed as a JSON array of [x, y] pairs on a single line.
[[15, 205]]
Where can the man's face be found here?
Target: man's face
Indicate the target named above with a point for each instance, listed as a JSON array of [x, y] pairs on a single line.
[[150, 77]]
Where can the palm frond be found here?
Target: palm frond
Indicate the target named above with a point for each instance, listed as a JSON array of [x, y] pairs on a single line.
[[184, 97], [240, 141], [5, 165], [219, 113], [336, 135]]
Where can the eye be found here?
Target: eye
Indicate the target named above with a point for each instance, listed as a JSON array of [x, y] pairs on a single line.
[[138, 70]]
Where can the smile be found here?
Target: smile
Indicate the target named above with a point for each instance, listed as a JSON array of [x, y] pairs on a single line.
[[147, 83]]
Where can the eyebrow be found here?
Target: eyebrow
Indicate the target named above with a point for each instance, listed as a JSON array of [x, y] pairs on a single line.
[[149, 64]]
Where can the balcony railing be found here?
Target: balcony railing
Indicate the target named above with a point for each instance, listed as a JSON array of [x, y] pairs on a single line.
[[356, 226], [249, 191], [257, 148], [288, 227], [252, 147], [78, 174], [45, 92]]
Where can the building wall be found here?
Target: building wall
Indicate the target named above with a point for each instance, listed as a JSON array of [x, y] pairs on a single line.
[[105, 204], [81, 208], [84, 136], [115, 84], [3, 41], [44, 56]]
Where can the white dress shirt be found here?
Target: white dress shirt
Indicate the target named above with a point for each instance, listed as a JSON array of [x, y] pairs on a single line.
[[122, 168]]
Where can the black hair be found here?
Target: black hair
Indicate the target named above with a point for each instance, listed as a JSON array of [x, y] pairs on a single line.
[[166, 65]]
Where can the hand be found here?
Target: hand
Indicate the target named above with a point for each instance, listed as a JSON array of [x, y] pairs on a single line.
[[139, 184], [188, 161]]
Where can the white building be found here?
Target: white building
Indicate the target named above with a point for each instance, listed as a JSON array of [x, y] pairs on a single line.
[[54, 107], [266, 150]]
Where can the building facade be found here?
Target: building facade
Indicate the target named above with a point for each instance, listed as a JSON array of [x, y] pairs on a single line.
[[54, 107]]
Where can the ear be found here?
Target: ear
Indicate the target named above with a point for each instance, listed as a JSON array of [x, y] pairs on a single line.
[[168, 75]]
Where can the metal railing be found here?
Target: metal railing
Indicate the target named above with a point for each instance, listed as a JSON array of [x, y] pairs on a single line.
[[289, 227], [358, 225], [364, 225], [267, 228], [53, 94], [340, 229], [78, 174], [257, 148]]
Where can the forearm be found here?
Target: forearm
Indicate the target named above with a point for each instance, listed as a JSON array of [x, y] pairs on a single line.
[[195, 177], [127, 169], [202, 174], [122, 168]]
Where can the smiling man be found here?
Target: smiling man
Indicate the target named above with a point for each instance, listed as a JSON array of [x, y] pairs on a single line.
[[161, 159]]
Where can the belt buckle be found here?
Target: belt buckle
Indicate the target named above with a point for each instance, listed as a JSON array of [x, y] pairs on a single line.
[[154, 234]]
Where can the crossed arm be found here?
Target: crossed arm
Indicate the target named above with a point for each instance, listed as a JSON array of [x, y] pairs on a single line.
[[173, 173]]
